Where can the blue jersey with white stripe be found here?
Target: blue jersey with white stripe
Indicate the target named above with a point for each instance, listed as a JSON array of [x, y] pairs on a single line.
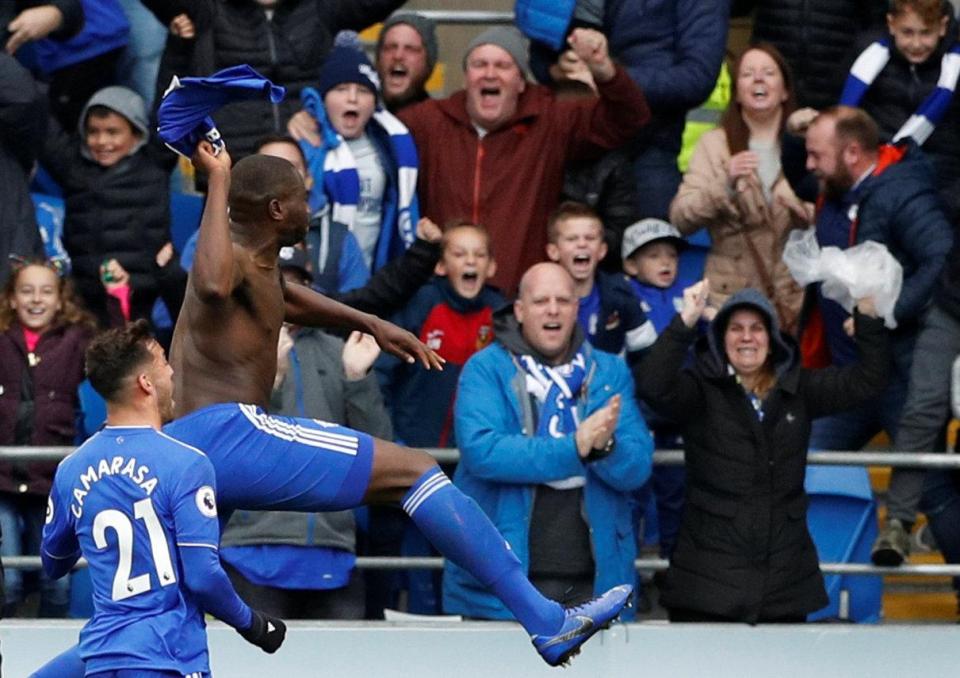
[[127, 499]]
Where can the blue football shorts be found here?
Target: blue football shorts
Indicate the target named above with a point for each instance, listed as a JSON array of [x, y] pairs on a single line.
[[270, 462]]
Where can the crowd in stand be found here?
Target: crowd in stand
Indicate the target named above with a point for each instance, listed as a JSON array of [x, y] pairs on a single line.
[[531, 228]]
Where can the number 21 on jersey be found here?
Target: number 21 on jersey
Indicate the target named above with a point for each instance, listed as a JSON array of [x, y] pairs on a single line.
[[125, 586]]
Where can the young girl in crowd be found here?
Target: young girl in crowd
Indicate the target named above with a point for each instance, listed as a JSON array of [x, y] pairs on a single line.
[[43, 335]]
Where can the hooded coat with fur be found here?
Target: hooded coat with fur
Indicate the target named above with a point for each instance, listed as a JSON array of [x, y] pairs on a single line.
[[744, 551]]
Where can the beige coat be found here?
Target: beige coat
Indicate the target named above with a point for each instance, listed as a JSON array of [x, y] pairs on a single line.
[[734, 217]]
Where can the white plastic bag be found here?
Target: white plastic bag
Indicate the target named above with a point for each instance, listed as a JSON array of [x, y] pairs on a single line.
[[864, 270], [802, 256]]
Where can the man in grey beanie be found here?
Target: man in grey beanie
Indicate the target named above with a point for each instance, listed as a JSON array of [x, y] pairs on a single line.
[[406, 55]]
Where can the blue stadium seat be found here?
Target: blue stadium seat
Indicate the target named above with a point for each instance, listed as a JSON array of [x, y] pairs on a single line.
[[842, 518], [694, 257], [185, 212], [93, 411]]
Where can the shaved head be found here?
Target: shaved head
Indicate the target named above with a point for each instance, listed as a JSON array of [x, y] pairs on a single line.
[[546, 309], [544, 271], [258, 179]]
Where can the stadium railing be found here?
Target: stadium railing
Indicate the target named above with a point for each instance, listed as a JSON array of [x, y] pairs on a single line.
[[660, 457]]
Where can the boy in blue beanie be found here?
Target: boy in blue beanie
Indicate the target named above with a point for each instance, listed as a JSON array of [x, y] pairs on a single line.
[[365, 169]]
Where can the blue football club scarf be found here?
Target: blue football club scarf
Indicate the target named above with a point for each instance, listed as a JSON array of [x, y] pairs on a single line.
[[336, 188], [556, 389], [921, 124], [183, 118]]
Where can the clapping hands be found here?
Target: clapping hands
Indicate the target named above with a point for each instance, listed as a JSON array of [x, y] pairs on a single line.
[[595, 431]]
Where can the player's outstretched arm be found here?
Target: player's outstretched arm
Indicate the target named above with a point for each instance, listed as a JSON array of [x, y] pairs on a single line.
[[197, 538], [308, 308], [215, 273], [207, 581]]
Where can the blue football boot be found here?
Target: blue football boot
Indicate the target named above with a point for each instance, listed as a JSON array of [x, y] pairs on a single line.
[[580, 624]]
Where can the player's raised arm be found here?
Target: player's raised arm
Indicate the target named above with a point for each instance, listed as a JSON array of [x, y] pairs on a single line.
[[308, 308], [215, 273]]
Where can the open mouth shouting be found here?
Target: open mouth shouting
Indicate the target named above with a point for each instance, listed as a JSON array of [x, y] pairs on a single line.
[[581, 265], [553, 330], [468, 284], [398, 78], [490, 97], [664, 276]]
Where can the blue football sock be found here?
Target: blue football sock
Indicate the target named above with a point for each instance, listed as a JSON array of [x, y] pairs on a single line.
[[461, 531]]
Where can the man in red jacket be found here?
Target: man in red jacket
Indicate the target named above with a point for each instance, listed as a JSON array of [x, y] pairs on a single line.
[[495, 152]]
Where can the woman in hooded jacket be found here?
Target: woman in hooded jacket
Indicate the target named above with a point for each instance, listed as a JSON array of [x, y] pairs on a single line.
[[745, 405]]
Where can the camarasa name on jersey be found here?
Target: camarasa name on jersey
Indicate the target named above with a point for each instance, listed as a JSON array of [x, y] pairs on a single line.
[[118, 466]]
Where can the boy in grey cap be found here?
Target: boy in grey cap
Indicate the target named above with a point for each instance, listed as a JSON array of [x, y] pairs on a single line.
[[651, 253], [116, 189]]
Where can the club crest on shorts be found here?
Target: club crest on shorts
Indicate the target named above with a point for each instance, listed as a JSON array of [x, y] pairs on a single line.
[[49, 518], [207, 501]]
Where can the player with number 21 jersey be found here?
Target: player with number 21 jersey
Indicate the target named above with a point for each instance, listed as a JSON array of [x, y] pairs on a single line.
[[138, 505]]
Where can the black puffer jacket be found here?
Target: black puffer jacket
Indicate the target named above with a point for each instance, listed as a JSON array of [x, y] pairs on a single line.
[[609, 187], [287, 48], [121, 212], [23, 122], [897, 93], [815, 37], [744, 551]]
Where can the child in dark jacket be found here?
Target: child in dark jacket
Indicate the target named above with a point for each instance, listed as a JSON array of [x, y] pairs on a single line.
[[453, 315], [116, 190]]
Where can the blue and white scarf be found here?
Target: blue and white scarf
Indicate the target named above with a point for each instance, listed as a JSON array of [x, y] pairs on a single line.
[[921, 124], [336, 189], [556, 389]]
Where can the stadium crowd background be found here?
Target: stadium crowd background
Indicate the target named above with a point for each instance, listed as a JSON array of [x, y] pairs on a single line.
[[115, 241]]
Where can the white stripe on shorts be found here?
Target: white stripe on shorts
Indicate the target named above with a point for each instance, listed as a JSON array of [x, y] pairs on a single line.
[[327, 440]]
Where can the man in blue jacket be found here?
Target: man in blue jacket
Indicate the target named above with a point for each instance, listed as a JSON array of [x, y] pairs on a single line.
[[886, 194], [551, 443]]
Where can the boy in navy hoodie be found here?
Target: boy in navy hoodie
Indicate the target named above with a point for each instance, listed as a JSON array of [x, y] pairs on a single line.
[[452, 314]]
